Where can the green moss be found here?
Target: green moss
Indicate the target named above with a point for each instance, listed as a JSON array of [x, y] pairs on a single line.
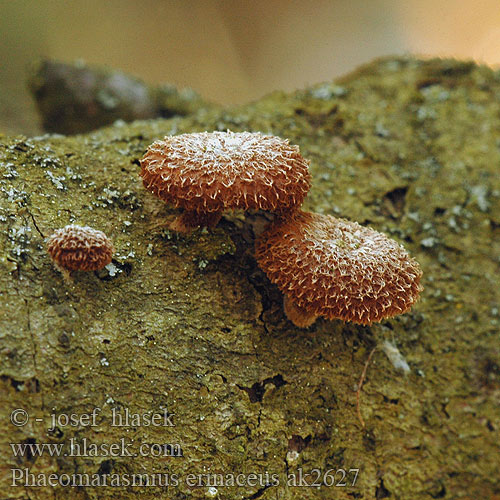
[[409, 147]]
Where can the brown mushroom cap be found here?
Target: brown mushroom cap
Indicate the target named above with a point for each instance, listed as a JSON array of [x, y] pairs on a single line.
[[213, 171], [338, 269], [77, 248]]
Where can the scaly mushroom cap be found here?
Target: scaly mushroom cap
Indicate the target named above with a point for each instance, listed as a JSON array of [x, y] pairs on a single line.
[[77, 248], [338, 269], [213, 171]]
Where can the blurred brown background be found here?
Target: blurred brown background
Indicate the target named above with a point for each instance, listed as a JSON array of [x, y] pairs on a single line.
[[232, 51]]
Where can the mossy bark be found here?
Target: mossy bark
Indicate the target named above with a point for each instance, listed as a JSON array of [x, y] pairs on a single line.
[[190, 323]]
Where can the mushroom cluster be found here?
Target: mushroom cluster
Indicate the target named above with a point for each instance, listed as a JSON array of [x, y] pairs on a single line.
[[324, 266]]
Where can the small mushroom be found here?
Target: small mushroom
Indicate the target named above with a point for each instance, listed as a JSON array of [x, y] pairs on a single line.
[[207, 173], [335, 268], [77, 248]]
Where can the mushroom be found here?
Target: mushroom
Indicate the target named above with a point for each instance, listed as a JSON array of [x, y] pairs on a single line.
[[77, 248], [335, 268], [209, 172]]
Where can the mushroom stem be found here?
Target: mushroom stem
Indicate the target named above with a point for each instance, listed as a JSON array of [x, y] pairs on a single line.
[[191, 219], [297, 315], [66, 274]]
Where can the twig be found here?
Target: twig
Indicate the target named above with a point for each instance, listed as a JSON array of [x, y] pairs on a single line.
[[360, 385]]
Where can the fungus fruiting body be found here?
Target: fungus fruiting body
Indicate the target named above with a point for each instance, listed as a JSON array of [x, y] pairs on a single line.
[[337, 269], [207, 173], [77, 248]]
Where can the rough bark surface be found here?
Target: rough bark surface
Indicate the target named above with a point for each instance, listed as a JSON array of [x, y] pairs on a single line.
[[191, 324]]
